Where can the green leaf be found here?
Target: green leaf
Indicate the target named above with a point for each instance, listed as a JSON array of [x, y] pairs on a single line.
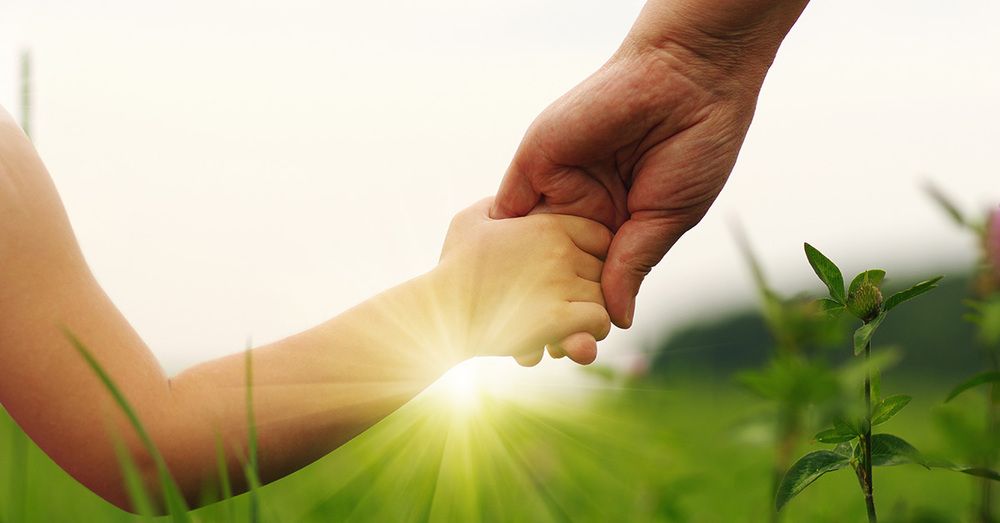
[[806, 470], [889, 450], [864, 333], [844, 427], [888, 407], [829, 309], [831, 436], [848, 449], [845, 449], [982, 472], [973, 318], [847, 428], [975, 381], [875, 275], [910, 293], [828, 272]]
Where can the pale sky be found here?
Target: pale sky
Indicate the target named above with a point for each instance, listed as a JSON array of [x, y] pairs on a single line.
[[241, 170]]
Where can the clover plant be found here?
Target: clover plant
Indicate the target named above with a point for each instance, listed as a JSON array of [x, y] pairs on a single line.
[[856, 446]]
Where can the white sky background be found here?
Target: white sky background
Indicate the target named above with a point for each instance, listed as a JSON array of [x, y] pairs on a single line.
[[249, 169]]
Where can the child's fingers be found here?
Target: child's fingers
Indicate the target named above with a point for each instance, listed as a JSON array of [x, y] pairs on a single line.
[[580, 324], [475, 213], [529, 359], [589, 236], [587, 317], [580, 347], [589, 267], [586, 290]]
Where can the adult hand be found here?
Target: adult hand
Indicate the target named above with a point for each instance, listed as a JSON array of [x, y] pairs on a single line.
[[646, 143]]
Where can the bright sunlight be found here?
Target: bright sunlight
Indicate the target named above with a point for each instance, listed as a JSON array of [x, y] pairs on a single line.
[[465, 387], [487, 431]]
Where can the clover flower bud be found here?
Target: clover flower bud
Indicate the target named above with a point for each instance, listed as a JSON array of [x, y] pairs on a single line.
[[865, 302], [988, 275]]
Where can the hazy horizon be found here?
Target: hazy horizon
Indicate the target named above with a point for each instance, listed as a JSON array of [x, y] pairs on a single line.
[[240, 171]]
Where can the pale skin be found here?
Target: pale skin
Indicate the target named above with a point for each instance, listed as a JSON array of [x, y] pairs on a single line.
[[502, 287], [646, 143]]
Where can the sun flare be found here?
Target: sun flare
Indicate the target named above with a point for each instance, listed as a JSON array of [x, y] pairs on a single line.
[[463, 386], [485, 432]]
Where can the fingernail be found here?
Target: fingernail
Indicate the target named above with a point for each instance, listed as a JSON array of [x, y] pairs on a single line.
[[631, 313]]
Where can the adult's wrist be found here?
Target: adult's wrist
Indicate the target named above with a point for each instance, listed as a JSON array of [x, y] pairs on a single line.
[[735, 38]]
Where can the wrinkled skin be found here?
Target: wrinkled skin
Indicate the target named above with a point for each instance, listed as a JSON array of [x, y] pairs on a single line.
[[646, 143], [647, 164]]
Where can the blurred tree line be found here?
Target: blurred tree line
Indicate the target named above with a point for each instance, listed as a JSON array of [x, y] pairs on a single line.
[[934, 339]]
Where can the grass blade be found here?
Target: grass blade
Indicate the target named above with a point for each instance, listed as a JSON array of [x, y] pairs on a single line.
[[137, 493], [253, 467], [946, 204], [175, 504], [225, 484]]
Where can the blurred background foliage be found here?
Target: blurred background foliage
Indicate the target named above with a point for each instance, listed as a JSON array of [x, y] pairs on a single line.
[[937, 342], [687, 440]]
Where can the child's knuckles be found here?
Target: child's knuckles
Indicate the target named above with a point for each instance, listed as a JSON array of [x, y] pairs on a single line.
[[560, 252], [592, 292], [587, 316], [551, 228], [602, 235], [600, 321], [590, 268]]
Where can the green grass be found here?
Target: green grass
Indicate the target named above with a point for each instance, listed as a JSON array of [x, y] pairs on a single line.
[[676, 452]]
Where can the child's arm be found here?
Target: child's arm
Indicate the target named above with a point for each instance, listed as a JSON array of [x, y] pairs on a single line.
[[501, 288]]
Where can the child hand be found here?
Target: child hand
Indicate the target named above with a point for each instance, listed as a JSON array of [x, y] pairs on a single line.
[[513, 286]]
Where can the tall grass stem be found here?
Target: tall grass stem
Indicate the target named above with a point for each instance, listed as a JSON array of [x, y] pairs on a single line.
[[175, 503], [253, 472]]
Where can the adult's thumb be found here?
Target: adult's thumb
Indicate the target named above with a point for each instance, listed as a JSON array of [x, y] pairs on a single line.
[[515, 197], [636, 248]]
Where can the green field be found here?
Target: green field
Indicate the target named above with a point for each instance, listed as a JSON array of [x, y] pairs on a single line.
[[697, 450]]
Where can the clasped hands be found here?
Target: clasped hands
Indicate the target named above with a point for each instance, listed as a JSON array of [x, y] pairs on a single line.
[[636, 154]]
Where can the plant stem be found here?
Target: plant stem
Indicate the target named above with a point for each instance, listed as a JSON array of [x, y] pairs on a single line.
[[989, 460], [253, 471], [789, 435], [866, 440]]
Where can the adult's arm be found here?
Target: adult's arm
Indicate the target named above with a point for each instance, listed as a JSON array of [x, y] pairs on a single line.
[[646, 143]]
